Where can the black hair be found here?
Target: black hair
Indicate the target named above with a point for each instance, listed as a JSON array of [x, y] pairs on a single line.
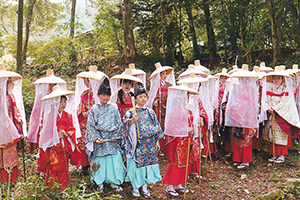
[[120, 96], [126, 81], [63, 97], [104, 87]]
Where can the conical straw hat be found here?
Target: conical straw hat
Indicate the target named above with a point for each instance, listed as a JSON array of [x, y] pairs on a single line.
[[244, 73], [259, 73], [50, 78], [7, 74], [135, 71], [92, 73], [223, 73], [263, 68], [198, 66], [56, 92], [279, 71], [127, 74], [192, 79], [234, 69], [160, 68], [184, 87], [192, 69]]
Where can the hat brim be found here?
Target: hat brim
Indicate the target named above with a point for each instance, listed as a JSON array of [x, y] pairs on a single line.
[[202, 68], [127, 77], [222, 74], [269, 76], [244, 74], [10, 74], [266, 69], [234, 70], [191, 80], [184, 88], [94, 75], [161, 69], [188, 72], [137, 72], [57, 93], [50, 79], [211, 77]]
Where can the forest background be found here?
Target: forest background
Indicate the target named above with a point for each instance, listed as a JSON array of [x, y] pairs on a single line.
[[36, 35]]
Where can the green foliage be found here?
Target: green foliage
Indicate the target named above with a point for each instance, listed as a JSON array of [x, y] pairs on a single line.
[[293, 191]]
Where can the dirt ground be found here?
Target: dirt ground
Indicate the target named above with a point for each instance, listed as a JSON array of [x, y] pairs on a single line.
[[225, 181]]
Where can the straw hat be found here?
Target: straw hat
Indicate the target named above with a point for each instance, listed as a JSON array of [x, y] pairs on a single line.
[[234, 69], [127, 74], [211, 77], [56, 92], [294, 70], [192, 79], [184, 87], [50, 78], [259, 73], [198, 66], [244, 73], [135, 71], [263, 68], [92, 73], [160, 68], [279, 71], [192, 69], [7, 74], [223, 73]]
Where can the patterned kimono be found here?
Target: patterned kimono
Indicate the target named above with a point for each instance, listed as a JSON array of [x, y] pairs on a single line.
[[104, 122], [127, 101], [86, 102], [281, 122], [176, 151], [55, 160], [9, 155], [141, 150]]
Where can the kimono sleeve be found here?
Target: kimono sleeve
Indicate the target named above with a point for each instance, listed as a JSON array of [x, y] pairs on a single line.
[[159, 134]]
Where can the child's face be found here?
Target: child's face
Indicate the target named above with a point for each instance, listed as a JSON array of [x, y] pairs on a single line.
[[50, 88], [163, 75], [62, 105], [141, 99], [104, 98], [277, 80], [223, 79], [126, 86]]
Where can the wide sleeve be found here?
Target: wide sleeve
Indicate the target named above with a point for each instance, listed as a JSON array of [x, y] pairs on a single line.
[[158, 132], [92, 133]]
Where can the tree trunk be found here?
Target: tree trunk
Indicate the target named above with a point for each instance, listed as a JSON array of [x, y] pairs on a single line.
[[156, 46], [72, 21], [163, 32], [129, 49], [210, 34], [243, 33], [294, 8], [27, 27], [192, 28], [19, 39]]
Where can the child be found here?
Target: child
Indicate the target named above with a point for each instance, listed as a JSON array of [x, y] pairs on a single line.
[[57, 139], [104, 140], [124, 96], [143, 133]]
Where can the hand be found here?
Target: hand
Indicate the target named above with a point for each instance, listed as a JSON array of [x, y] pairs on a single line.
[[271, 111], [99, 141], [155, 103], [201, 123], [62, 134], [157, 145], [135, 118], [191, 130], [85, 114]]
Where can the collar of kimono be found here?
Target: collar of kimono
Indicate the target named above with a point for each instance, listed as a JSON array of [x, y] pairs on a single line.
[[137, 106], [277, 95]]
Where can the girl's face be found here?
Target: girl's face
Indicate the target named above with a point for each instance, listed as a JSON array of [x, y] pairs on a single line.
[[223, 79], [62, 105], [126, 86], [50, 88], [141, 99], [277, 80], [104, 98], [87, 82], [163, 75]]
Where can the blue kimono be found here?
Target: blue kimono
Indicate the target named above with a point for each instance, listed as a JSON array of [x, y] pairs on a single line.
[[104, 122], [141, 150]]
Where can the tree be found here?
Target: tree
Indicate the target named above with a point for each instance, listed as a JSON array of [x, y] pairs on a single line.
[[72, 21], [19, 40]]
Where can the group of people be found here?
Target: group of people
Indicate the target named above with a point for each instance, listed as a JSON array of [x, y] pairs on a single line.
[[114, 130]]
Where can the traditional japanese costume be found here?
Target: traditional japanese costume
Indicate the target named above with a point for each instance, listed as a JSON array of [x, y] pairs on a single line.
[[141, 149], [55, 152], [85, 98], [104, 122], [12, 125]]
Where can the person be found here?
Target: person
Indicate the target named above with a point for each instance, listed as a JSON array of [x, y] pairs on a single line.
[[138, 73], [179, 131], [143, 133], [57, 141], [104, 139], [12, 127], [43, 86], [283, 121], [87, 84], [121, 90], [242, 114], [160, 80]]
